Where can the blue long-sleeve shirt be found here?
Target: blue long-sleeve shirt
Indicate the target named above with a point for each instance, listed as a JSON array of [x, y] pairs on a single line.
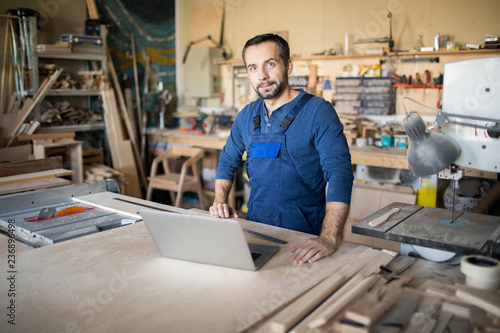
[[315, 141]]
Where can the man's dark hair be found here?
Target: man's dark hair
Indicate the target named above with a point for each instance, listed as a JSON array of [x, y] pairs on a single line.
[[284, 49]]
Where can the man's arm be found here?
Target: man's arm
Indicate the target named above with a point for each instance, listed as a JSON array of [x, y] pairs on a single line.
[[220, 208], [314, 249]]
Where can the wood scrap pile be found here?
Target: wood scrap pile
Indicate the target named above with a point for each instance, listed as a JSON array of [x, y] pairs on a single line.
[[86, 80], [370, 294], [351, 128], [356, 127], [64, 113], [96, 172]]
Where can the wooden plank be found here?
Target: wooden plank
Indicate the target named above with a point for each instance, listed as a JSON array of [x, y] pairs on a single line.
[[459, 310], [120, 149], [44, 136], [351, 291], [429, 308], [370, 263], [16, 168], [305, 304], [15, 153], [401, 263], [136, 83], [482, 299], [380, 157], [29, 106], [128, 167], [114, 130], [33, 185], [347, 265], [375, 303], [128, 126], [399, 315], [35, 176]]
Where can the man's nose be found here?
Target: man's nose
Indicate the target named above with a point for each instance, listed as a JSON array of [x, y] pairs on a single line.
[[263, 75]]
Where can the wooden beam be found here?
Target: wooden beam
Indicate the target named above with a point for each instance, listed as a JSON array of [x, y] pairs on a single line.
[[44, 136], [33, 185], [128, 125], [350, 292], [369, 262], [380, 157], [35, 176], [482, 299], [306, 304], [16, 168]]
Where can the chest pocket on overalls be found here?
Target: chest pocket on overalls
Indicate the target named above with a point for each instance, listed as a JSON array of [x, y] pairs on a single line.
[[264, 164]]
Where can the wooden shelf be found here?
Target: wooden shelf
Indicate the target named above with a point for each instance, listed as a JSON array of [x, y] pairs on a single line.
[[72, 56], [384, 157], [73, 92], [418, 86], [73, 128], [235, 62]]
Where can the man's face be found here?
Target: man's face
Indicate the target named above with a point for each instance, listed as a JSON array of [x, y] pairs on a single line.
[[266, 70]]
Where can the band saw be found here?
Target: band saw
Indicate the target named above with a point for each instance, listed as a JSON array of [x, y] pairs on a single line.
[[432, 227], [467, 124]]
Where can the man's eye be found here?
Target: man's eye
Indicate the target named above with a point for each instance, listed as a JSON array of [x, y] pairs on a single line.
[[270, 64], [252, 69]]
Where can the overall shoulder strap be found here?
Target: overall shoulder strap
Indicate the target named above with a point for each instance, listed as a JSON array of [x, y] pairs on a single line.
[[287, 121]]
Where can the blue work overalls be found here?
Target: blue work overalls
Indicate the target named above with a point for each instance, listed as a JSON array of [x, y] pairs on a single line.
[[278, 195]]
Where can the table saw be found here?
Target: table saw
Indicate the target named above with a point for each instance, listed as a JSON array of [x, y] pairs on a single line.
[[54, 215]]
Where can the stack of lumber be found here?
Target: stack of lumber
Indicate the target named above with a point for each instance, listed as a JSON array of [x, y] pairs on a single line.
[[32, 175], [124, 151], [356, 127], [62, 114], [91, 155], [370, 294], [351, 128], [85, 80]]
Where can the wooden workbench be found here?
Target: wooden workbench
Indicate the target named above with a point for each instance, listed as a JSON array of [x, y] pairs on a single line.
[[115, 281], [207, 141]]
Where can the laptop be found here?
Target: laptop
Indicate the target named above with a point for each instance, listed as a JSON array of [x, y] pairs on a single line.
[[204, 239]]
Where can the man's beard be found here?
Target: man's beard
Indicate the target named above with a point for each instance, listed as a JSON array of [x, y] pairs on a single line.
[[278, 89]]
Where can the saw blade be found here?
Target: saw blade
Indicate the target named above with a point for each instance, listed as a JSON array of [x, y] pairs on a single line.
[[70, 210]]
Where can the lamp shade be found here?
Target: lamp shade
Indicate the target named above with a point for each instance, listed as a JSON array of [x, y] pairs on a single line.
[[428, 152]]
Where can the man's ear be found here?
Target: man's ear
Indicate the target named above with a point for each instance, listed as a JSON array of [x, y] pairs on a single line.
[[290, 67]]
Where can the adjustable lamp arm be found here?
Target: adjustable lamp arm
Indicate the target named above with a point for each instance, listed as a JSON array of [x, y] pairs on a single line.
[[208, 37]]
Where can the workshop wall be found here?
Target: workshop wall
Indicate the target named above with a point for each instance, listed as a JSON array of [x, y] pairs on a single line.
[[318, 25]]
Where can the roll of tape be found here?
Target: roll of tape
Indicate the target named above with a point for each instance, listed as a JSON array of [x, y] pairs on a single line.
[[481, 272]]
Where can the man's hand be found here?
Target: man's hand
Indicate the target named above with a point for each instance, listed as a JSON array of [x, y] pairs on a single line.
[[223, 210], [312, 249], [220, 208]]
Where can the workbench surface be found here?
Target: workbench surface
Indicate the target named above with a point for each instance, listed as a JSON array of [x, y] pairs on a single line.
[[116, 281]]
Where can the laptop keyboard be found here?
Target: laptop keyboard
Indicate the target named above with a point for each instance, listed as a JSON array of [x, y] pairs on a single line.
[[255, 255]]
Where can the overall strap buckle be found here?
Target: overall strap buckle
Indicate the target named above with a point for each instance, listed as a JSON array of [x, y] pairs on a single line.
[[295, 110], [256, 122]]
